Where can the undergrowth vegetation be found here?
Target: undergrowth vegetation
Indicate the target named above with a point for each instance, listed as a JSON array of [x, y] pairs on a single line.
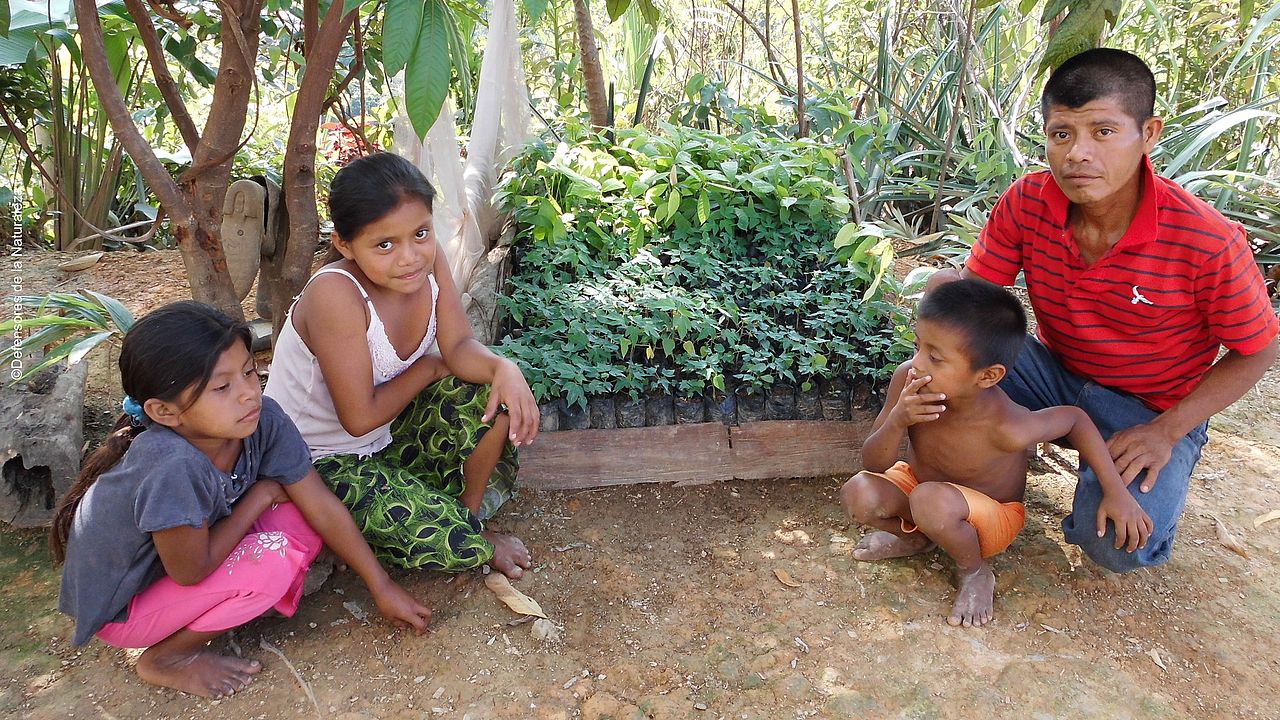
[[690, 263]]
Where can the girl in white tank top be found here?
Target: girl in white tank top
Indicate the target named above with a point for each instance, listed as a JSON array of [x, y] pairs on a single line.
[[420, 445]]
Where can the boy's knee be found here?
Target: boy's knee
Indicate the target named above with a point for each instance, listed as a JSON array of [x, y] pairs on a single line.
[[935, 504], [862, 499]]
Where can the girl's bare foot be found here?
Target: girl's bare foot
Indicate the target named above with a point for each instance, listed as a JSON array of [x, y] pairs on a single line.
[[197, 671], [973, 607], [881, 545], [510, 556]]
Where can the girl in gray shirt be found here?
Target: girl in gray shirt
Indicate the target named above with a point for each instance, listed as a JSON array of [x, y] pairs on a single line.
[[201, 511]]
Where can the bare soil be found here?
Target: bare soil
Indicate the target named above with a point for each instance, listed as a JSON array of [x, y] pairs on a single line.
[[672, 604]]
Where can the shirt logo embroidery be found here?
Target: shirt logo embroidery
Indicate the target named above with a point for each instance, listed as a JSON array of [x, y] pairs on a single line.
[[1138, 297]]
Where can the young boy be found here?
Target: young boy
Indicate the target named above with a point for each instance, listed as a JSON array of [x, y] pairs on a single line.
[[962, 485]]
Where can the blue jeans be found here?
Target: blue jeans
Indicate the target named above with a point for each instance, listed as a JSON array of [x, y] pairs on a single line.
[[1038, 381]]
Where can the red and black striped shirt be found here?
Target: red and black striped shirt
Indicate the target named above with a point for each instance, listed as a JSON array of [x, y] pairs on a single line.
[[1148, 317]]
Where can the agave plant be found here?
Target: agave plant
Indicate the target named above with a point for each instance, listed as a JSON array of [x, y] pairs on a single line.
[[65, 326]]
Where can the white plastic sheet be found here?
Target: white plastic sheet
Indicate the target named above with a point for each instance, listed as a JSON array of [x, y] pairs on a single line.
[[466, 222]]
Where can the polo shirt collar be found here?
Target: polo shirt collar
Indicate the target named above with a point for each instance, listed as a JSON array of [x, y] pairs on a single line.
[[1145, 222]]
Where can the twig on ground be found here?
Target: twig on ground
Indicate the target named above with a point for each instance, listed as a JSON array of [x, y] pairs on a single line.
[[305, 687]]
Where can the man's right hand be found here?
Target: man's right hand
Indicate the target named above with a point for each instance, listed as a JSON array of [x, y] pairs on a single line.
[[914, 407]]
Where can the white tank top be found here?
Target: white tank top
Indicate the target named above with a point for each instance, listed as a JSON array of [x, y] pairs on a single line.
[[298, 385]]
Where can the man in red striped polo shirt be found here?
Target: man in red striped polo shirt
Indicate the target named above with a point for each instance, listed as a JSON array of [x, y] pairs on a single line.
[[1135, 284]]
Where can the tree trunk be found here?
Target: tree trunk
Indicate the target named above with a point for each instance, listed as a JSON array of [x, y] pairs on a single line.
[[193, 204], [592, 73], [286, 278]]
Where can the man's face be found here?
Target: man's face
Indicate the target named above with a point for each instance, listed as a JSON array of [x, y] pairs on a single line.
[[1095, 150]]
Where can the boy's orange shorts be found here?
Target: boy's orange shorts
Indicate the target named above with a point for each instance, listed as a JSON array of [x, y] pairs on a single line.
[[997, 523]]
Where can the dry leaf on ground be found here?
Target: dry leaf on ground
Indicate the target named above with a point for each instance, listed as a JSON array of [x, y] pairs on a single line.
[[1264, 519], [784, 577], [1155, 657], [1228, 540], [511, 597]]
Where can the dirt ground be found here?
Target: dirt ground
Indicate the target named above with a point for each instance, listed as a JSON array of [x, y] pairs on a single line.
[[671, 606]]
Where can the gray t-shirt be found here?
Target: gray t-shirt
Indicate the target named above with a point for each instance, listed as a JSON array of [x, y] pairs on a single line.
[[162, 482]]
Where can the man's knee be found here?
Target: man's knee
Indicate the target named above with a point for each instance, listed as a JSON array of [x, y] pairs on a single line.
[[1103, 552]]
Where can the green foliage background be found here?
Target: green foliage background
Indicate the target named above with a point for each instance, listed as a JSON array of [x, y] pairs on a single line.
[[688, 262]]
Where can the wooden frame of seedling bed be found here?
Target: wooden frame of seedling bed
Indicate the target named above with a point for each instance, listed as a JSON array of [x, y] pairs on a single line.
[[695, 454]]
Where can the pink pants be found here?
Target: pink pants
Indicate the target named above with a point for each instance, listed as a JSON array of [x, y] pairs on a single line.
[[264, 571]]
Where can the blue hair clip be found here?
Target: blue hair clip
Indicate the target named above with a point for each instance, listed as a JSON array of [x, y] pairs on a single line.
[[134, 411]]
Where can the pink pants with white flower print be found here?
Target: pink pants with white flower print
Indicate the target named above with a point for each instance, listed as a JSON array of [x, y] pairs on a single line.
[[264, 571]]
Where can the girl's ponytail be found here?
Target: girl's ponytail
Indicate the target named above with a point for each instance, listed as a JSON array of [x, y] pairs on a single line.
[[102, 459]]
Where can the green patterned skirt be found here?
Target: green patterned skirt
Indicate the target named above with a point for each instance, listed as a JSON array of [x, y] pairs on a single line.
[[405, 497]]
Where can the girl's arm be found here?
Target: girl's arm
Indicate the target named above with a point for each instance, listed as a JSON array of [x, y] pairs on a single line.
[[472, 362], [190, 554], [1133, 525], [331, 318], [329, 517]]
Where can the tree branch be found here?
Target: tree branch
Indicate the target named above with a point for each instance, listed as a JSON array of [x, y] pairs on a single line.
[[357, 65], [160, 71], [164, 10], [774, 64], [802, 123], [94, 52], [222, 139]]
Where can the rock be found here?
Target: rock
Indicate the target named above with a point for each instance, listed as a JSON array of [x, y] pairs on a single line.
[[545, 630], [40, 441], [317, 574]]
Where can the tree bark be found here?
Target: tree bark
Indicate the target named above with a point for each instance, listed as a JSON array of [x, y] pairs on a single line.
[[592, 73], [193, 205], [160, 71], [285, 277]]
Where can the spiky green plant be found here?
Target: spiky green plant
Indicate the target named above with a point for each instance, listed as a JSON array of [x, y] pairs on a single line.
[[64, 326]]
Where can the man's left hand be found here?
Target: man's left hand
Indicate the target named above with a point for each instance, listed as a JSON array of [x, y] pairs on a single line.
[[1140, 447]]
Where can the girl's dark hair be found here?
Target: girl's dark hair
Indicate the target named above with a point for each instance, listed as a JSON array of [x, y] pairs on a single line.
[[169, 350], [370, 187]]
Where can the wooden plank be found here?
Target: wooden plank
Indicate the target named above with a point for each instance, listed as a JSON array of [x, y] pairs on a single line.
[[685, 454], [793, 449]]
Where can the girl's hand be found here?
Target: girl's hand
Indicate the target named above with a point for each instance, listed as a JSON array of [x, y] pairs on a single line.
[[509, 388], [912, 407], [398, 606]]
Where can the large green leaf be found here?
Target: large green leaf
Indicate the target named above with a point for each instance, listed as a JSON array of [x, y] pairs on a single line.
[[616, 8], [535, 8], [120, 314], [426, 81], [401, 25], [5, 16], [1081, 30], [1211, 133]]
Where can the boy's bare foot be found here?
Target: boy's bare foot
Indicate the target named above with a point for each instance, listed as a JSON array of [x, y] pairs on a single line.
[[199, 672], [881, 545], [510, 556], [974, 600]]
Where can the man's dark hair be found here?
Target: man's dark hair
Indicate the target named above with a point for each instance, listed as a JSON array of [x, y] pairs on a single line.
[[1102, 73], [989, 317]]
